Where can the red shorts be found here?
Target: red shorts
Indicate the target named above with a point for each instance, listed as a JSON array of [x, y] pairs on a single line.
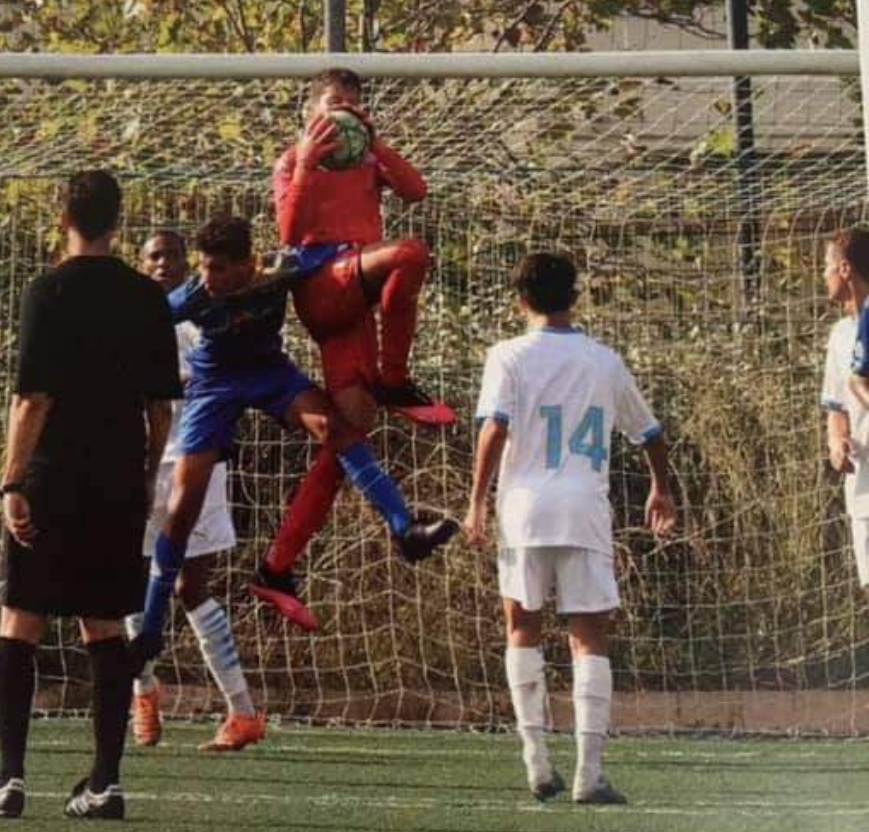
[[333, 308]]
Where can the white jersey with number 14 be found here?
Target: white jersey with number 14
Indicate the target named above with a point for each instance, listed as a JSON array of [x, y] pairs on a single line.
[[562, 395]]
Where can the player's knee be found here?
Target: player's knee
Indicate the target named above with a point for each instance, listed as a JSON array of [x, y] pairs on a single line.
[[100, 629], [414, 253], [22, 625], [320, 426], [589, 634], [522, 625]]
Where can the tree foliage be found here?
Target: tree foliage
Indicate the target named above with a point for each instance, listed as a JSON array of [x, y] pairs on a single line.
[[414, 25]]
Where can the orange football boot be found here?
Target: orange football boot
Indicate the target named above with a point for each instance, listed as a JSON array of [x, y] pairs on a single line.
[[147, 726], [236, 732]]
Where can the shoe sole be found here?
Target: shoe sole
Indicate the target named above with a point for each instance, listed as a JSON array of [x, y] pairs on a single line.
[[547, 791], [220, 748], [147, 742], [290, 608], [95, 816], [448, 531], [602, 799], [432, 415]]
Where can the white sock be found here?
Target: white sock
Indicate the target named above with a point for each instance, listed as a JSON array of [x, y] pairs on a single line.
[[527, 683], [592, 697], [146, 681], [211, 626]]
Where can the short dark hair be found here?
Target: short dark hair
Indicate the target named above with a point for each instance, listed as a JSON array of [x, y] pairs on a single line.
[[93, 203], [168, 233], [336, 76], [853, 244], [546, 282], [227, 235]]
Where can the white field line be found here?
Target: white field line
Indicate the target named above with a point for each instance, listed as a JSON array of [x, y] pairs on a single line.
[[615, 755], [336, 799]]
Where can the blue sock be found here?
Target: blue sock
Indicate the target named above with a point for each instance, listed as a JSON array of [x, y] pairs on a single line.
[[366, 474], [165, 566]]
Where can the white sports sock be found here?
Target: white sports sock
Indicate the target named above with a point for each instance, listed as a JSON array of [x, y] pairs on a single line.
[[592, 697], [146, 681], [527, 683], [211, 626]]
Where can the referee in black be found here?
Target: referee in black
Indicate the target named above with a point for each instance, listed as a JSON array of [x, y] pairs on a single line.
[[97, 371]]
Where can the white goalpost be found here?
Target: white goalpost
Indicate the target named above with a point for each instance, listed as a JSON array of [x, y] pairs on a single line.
[[863, 52], [751, 619], [686, 63]]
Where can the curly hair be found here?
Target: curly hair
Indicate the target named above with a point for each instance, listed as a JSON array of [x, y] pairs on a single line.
[[227, 235]]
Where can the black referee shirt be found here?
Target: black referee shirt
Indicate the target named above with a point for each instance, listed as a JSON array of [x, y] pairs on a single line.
[[97, 337]]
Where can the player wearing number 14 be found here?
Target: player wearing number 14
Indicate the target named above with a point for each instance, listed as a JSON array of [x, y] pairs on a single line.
[[549, 402]]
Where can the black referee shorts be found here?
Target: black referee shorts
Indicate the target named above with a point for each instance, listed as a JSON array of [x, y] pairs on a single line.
[[87, 557]]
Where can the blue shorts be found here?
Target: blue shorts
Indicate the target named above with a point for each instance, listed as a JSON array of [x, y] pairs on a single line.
[[214, 404]]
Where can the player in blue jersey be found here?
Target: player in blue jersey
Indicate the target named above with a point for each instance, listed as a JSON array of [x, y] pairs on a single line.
[[238, 364], [848, 254]]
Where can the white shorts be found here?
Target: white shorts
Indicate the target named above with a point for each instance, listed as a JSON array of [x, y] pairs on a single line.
[[860, 536], [214, 531], [584, 580]]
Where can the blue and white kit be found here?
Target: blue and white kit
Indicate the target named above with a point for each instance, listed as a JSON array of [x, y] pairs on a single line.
[[562, 394]]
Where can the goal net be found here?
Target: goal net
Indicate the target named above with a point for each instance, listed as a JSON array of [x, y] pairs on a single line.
[[751, 619]]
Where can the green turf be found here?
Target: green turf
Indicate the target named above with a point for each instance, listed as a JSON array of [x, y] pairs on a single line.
[[415, 781]]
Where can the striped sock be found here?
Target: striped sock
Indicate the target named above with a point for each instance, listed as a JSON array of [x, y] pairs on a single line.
[[146, 681], [211, 626]]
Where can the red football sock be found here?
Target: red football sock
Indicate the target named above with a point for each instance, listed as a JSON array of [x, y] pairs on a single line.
[[398, 304], [307, 511]]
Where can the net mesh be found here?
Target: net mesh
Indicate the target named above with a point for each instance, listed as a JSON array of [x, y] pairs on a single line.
[[754, 602]]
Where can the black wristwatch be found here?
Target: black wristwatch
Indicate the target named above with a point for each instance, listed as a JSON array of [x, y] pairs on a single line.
[[11, 488]]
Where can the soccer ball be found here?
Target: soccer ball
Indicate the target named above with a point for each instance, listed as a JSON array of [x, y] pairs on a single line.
[[353, 141]]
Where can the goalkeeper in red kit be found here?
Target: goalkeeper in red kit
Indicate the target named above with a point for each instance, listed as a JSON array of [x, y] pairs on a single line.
[[337, 304]]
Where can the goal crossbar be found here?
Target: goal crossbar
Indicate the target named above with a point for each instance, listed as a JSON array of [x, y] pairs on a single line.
[[697, 63]]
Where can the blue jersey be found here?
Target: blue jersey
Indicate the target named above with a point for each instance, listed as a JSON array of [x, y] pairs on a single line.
[[241, 331], [860, 362]]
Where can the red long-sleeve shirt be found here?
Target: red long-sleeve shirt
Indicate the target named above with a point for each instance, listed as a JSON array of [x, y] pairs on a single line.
[[340, 206]]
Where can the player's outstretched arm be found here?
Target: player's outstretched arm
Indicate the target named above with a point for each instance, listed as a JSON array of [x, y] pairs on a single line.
[[490, 447], [289, 267], [660, 508]]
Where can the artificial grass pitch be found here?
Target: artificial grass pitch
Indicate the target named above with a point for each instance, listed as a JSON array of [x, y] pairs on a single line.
[[350, 780]]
